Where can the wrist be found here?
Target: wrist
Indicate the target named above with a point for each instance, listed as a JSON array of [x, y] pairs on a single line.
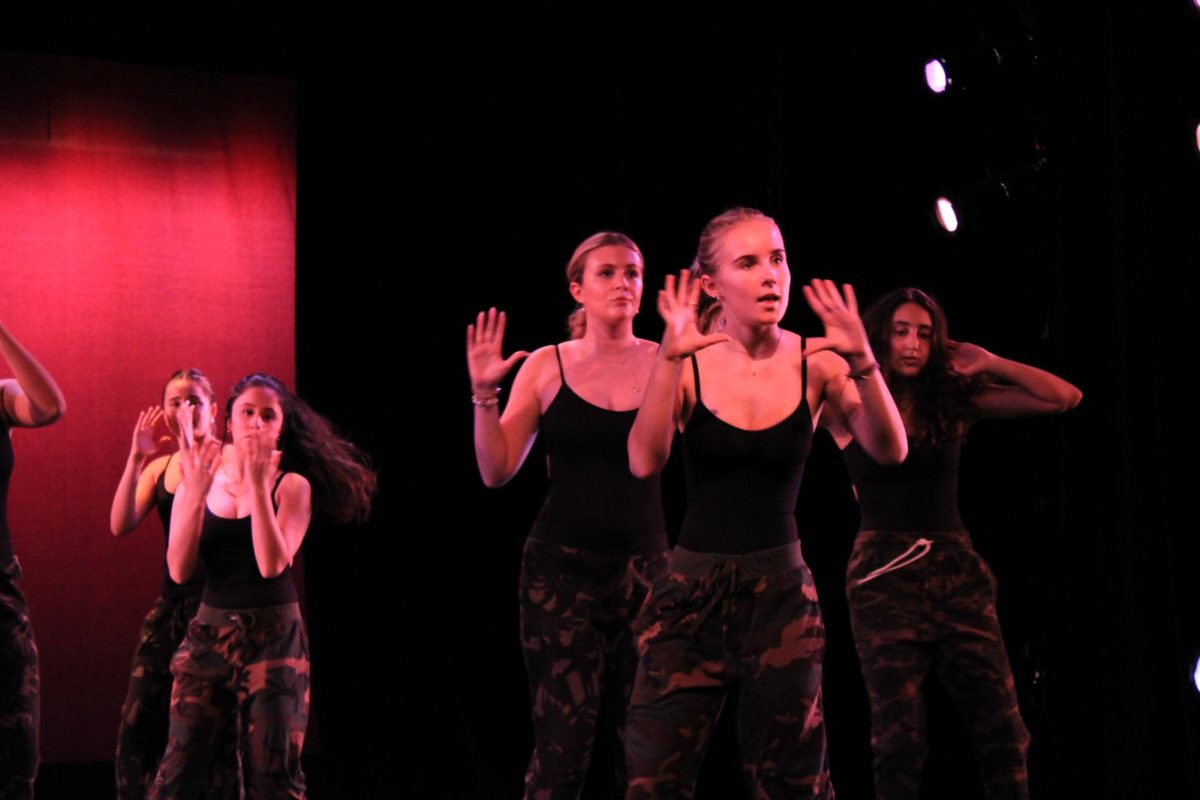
[[861, 362], [485, 397]]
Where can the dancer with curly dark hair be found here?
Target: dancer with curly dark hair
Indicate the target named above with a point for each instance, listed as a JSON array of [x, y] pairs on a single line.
[[243, 512], [921, 598]]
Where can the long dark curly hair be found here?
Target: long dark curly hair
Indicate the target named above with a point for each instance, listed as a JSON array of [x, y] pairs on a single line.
[[340, 473], [941, 408]]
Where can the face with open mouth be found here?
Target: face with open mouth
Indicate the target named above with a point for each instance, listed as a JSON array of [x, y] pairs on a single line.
[[911, 337], [752, 280], [612, 283]]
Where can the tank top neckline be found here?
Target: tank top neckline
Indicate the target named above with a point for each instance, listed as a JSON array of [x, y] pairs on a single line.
[[801, 406], [564, 385]]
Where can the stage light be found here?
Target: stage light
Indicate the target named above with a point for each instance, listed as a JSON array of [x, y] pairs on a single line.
[[935, 75], [992, 199], [981, 65], [944, 211], [1196, 671], [1198, 124]]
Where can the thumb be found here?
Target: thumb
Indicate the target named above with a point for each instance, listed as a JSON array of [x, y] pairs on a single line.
[[514, 358]]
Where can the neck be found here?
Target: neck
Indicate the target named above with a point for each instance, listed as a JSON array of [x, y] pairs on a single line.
[[609, 338], [756, 341]]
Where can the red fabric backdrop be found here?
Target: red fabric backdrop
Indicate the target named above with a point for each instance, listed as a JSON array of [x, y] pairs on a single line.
[[147, 223]]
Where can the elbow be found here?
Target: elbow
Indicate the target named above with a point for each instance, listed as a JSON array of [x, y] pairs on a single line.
[[643, 465], [1071, 399], [896, 452], [50, 414], [178, 573], [891, 452], [494, 480], [273, 569], [119, 528]]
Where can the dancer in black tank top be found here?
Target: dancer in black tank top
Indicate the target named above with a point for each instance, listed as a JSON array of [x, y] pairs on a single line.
[[30, 399], [243, 510], [921, 598], [600, 538], [188, 404], [737, 609]]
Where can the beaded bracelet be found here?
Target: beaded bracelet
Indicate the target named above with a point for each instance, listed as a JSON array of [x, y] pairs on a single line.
[[487, 398]]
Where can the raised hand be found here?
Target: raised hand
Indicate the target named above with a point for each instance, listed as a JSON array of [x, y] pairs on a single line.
[[185, 416], [144, 441], [259, 461], [844, 331], [486, 363], [677, 302], [198, 464], [967, 360]]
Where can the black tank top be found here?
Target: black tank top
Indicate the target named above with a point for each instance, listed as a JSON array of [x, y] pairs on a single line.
[[227, 553], [742, 485], [920, 494], [6, 468], [163, 502], [595, 503]]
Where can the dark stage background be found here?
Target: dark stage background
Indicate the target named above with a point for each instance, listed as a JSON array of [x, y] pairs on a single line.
[[447, 164]]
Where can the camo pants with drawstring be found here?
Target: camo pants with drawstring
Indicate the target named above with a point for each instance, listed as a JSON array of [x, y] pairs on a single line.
[[921, 603]]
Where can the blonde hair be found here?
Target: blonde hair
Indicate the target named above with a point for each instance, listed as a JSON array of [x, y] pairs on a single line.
[[577, 320], [708, 309]]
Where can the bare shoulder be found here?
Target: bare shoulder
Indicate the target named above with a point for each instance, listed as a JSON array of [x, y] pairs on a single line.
[[294, 482], [827, 365], [540, 364], [156, 467]]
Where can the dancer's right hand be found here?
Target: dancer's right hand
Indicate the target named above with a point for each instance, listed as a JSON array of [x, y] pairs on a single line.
[[677, 305], [486, 363], [144, 441], [198, 465]]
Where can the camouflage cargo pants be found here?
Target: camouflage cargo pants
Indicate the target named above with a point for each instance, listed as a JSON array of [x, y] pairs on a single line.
[[142, 735], [936, 613], [248, 665], [577, 612], [19, 702], [719, 623]]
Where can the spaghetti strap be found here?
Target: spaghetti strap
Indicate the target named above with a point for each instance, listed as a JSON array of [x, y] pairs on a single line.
[[803, 371], [696, 378], [558, 356], [274, 489]]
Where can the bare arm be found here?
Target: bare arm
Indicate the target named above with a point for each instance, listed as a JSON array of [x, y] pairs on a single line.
[[501, 442], [277, 535], [31, 399], [864, 405], [135, 491], [660, 413], [198, 463], [1022, 391]]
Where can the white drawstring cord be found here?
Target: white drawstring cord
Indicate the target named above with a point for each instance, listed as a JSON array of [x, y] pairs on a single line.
[[924, 545]]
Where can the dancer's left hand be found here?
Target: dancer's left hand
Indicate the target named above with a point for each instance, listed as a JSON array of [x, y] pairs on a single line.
[[844, 331], [968, 360], [259, 460]]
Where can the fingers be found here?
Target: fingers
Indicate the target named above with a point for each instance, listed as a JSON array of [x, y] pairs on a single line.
[[498, 333], [851, 299]]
